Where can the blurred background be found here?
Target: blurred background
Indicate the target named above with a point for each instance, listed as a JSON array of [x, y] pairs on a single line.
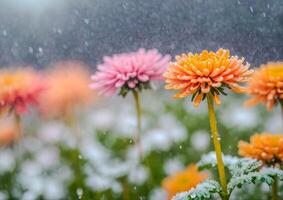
[[93, 155], [40, 32]]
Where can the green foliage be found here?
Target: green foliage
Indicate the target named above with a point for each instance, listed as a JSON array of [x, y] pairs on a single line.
[[204, 190], [244, 166], [243, 170], [117, 148], [265, 175]]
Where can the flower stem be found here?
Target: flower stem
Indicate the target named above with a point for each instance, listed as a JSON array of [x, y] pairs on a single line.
[[274, 189], [217, 146], [138, 114], [18, 124]]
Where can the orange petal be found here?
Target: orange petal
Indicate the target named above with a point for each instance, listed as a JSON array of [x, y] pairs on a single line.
[[198, 99], [251, 102], [216, 99]]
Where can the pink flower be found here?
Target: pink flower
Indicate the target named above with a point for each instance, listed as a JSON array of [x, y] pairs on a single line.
[[19, 89], [129, 71]]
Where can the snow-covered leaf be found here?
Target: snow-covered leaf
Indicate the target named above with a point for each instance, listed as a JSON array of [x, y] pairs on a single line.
[[244, 166], [265, 175], [204, 190]]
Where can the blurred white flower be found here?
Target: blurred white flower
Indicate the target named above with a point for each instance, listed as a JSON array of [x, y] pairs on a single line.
[[133, 154], [3, 196], [265, 187], [117, 187], [29, 195], [101, 183], [178, 134], [102, 119], [200, 140], [53, 189], [240, 117], [126, 125], [52, 131], [274, 122], [156, 139], [138, 175], [172, 166], [158, 194], [94, 151], [34, 177], [7, 160], [47, 157], [174, 129], [113, 168]]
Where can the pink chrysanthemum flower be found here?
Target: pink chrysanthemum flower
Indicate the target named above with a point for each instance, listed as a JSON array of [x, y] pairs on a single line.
[[129, 71]]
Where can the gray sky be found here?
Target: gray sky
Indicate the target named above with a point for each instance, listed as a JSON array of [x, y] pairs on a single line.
[[40, 32]]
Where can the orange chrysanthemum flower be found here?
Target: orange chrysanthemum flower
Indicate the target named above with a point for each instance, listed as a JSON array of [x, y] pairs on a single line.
[[67, 88], [266, 85], [18, 90], [207, 72], [265, 147], [183, 180]]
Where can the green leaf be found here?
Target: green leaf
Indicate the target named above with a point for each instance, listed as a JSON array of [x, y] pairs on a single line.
[[203, 191]]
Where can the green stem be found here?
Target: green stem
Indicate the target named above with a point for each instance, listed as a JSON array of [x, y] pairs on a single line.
[[138, 114], [18, 124], [274, 189], [75, 156], [217, 146], [126, 192]]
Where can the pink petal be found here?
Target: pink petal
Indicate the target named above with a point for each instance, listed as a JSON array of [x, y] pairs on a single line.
[[131, 84]]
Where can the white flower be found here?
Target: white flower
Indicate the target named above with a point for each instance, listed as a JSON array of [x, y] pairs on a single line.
[[174, 130], [158, 194], [200, 140], [138, 175], [156, 139], [47, 157], [102, 119], [52, 131], [3, 196], [126, 125], [113, 168], [172, 166], [101, 183], [274, 122], [237, 116], [29, 195], [94, 152], [7, 160], [117, 187], [53, 189]]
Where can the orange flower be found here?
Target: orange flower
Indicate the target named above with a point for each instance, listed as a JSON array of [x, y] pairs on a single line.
[[9, 132], [18, 90], [207, 72], [266, 85], [183, 180], [265, 147], [67, 89]]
